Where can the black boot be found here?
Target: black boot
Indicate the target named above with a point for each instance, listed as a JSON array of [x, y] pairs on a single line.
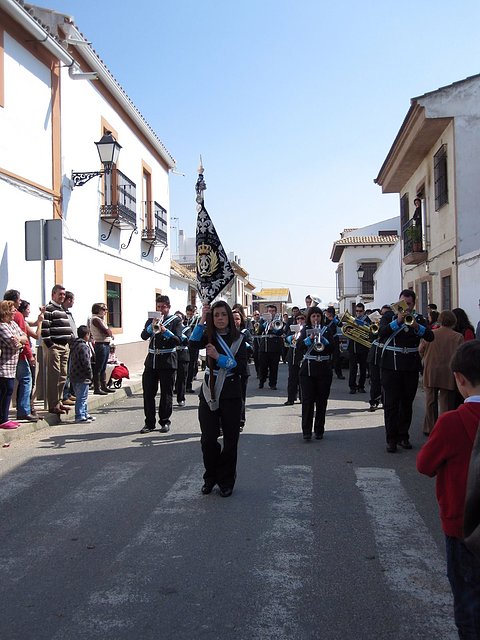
[[97, 391], [103, 384]]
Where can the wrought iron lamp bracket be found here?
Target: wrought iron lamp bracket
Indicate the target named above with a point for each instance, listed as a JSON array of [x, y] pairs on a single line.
[[79, 178]]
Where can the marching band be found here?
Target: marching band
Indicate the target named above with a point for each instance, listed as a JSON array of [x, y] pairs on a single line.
[[383, 345]]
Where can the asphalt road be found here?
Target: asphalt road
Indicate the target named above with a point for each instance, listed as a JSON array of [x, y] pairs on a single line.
[[105, 533]]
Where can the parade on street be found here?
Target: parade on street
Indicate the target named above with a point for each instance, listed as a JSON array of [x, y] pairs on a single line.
[[107, 535]]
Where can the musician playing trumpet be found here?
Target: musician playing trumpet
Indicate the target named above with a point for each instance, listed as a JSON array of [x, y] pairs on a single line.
[[160, 364], [316, 344], [399, 337], [270, 348]]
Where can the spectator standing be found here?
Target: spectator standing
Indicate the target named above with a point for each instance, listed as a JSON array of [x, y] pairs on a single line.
[[24, 309], [446, 455], [102, 336], [68, 395], [464, 326], [12, 340], [81, 374], [25, 360], [57, 336], [438, 380]]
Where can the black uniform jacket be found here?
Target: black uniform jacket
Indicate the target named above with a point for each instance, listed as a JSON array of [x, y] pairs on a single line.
[[294, 355], [232, 387], [401, 350], [315, 363], [271, 340], [162, 351]]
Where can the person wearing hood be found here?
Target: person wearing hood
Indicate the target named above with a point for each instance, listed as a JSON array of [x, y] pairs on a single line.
[[81, 374], [446, 455]]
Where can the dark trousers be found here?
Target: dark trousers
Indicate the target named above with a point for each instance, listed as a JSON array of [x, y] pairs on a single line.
[[220, 463], [375, 384], [150, 381], [399, 389], [6, 392], [268, 364], [337, 362], [293, 382], [181, 380], [102, 351], [357, 360], [315, 392], [192, 366], [244, 382], [256, 357], [463, 570]]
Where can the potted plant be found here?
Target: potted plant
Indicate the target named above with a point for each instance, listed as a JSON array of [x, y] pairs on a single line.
[[414, 234]]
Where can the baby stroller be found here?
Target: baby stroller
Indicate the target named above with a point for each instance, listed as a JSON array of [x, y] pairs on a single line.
[[119, 372]]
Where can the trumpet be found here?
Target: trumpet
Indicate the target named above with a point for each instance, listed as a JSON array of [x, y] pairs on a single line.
[[277, 323], [399, 307], [318, 344], [156, 324], [374, 328], [316, 336]]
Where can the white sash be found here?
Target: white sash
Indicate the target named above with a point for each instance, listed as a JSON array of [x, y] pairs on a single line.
[[221, 375]]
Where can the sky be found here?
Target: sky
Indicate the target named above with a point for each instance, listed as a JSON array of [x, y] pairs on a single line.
[[293, 107]]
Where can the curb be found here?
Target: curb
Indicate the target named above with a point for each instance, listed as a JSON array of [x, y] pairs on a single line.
[[129, 388]]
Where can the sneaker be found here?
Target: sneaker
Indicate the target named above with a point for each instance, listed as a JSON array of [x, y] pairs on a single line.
[[92, 418], [181, 403], [83, 421]]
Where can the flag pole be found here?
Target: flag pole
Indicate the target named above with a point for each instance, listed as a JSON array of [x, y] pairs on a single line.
[[200, 187]]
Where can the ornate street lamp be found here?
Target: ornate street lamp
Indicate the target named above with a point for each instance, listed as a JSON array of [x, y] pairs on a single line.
[[108, 150], [360, 272]]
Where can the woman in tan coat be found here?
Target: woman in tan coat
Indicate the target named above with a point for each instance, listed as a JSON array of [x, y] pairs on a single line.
[[438, 380]]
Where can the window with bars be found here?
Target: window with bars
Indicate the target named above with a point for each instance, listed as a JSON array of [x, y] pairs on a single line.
[[368, 282], [340, 281], [440, 177], [404, 213], [447, 292], [114, 304]]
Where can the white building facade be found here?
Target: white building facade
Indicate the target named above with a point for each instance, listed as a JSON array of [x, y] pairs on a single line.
[[360, 253], [435, 158], [115, 228]]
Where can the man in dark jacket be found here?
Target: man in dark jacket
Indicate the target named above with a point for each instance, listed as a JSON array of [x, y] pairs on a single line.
[[398, 337], [160, 364]]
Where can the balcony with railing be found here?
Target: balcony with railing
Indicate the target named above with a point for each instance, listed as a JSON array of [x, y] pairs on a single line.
[[414, 251], [121, 210], [157, 234]]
